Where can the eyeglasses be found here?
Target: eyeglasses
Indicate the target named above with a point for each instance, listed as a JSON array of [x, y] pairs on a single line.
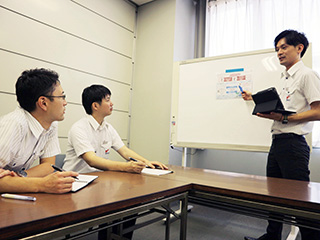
[[62, 96]]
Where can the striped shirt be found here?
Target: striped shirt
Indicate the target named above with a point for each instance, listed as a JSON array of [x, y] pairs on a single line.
[[23, 140]]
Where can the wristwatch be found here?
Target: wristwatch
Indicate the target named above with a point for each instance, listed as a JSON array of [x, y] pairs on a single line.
[[22, 173], [285, 119]]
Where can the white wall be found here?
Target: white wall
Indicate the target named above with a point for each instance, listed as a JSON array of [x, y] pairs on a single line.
[[184, 34], [149, 131], [86, 42], [90, 42], [184, 40]]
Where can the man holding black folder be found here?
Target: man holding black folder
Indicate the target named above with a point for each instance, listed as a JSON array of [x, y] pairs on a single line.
[[289, 153]]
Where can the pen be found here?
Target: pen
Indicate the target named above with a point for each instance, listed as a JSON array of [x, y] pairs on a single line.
[[18, 197], [60, 170], [241, 89], [135, 160]]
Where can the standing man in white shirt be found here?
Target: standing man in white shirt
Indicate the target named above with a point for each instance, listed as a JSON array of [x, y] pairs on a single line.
[[91, 138], [30, 132], [289, 153]]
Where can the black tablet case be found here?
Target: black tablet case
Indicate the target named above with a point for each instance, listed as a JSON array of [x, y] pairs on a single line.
[[268, 101]]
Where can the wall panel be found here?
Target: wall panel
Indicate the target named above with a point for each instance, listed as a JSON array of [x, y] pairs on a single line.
[[76, 20], [118, 11], [73, 82], [86, 42], [39, 41], [8, 103]]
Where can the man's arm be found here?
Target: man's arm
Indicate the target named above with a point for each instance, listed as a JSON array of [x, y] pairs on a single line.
[[105, 164], [58, 182], [43, 169], [126, 153], [311, 115]]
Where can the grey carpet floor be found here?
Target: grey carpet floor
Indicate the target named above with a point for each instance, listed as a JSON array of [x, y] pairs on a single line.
[[206, 223]]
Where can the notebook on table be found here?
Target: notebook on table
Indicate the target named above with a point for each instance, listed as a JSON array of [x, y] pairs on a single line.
[[83, 181], [154, 171]]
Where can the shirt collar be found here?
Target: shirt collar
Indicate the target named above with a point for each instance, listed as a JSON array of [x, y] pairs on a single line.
[[34, 125], [95, 125], [293, 69]]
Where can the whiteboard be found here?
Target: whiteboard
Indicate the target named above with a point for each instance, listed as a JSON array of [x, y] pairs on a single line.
[[199, 119]]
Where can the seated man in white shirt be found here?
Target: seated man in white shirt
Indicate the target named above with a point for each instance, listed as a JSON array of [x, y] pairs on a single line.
[[30, 132], [91, 139]]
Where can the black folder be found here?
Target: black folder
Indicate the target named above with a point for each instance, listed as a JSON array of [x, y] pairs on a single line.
[[268, 101]]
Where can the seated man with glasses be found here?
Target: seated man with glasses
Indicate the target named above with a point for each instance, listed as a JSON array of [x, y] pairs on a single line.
[[30, 132]]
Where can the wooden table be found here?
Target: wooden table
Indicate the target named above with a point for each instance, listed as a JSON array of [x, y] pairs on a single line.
[[112, 196], [115, 195], [288, 201]]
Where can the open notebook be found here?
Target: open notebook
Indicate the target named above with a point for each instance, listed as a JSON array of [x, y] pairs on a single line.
[[83, 181], [157, 172]]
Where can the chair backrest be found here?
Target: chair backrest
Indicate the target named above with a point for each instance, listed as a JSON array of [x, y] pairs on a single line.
[[59, 160]]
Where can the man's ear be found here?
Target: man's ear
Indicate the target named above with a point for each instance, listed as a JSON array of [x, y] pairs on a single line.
[[94, 106], [300, 48], [42, 103]]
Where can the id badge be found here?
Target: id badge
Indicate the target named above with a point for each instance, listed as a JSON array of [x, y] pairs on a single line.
[[105, 148]]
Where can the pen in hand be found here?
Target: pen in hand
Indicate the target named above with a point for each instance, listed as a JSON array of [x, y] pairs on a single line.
[[132, 159], [135, 160], [61, 170]]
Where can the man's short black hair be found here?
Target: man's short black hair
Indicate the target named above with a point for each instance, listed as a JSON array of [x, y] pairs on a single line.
[[33, 84], [293, 38], [94, 93]]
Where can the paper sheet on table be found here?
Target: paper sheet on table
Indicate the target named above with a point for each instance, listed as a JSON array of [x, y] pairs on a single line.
[[157, 172], [83, 181]]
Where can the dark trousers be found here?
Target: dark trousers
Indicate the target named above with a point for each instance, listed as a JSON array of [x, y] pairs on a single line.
[[289, 158]]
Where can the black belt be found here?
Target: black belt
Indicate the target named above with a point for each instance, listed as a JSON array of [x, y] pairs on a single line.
[[285, 135]]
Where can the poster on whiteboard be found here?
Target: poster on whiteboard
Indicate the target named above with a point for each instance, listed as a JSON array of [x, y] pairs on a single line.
[[232, 81]]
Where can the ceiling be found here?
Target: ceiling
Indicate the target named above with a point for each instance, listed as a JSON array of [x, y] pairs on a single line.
[[141, 2]]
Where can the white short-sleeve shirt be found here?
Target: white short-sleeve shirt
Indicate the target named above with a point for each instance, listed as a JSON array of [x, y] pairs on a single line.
[[23, 140], [88, 135], [300, 88]]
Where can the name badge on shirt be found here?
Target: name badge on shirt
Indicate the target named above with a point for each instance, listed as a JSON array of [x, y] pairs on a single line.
[[106, 148], [288, 98]]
